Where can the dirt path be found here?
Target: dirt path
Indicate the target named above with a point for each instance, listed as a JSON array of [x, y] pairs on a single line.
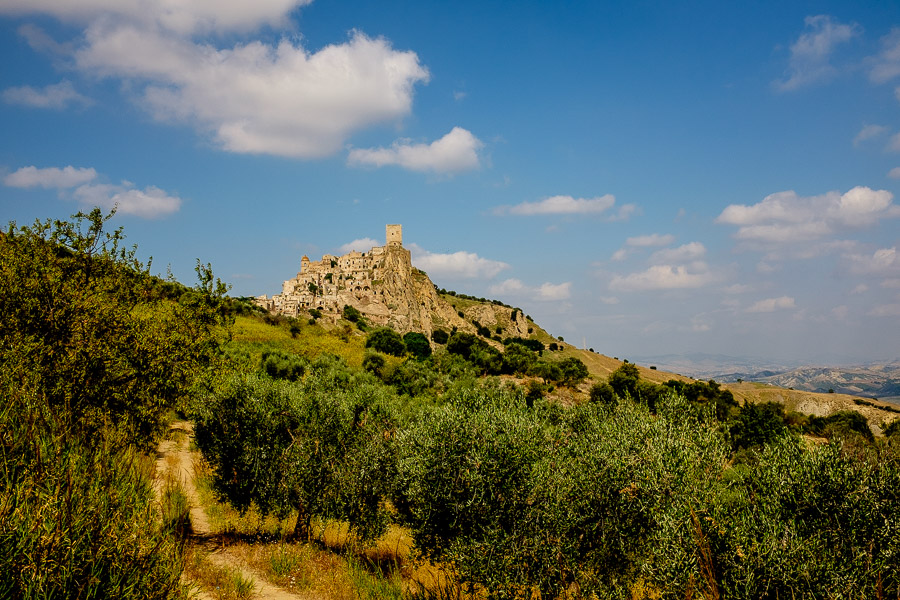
[[174, 458]]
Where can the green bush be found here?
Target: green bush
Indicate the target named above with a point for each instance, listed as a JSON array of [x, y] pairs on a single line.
[[417, 345], [320, 448], [281, 365], [386, 340], [80, 520], [439, 336]]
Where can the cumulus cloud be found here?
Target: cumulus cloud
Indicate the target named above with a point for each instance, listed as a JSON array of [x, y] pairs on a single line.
[[55, 96], [653, 239], [455, 152], [894, 173], [868, 132], [360, 245], [80, 185], [50, 177], [149, 203], [685, 253], [545, 291], [198, 16], [894, 142], [772, 304], [810, 58], [566, 205], [786, 217], [664, 277], [255, 97], [886, 65], [883, 262], [467, 265]]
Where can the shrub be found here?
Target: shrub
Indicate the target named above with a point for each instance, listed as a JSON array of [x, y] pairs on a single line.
[[281, 365], [417, 345], [758, 424], [439, 336], [351, 314], [386, 340], [321, 448]]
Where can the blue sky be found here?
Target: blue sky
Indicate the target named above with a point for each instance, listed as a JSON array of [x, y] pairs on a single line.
[[641, 178]]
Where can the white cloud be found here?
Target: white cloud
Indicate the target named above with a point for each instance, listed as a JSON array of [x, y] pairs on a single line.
[[810, 60], [653, 239], [883, 262], [772, 304], [50, 177], [619, 255], [868, 132], [551, 291], [786, 217], [840, 312], [860, 289], [894, 173], [560, 205], [664, 277], [56, 96], [544, 292], [151, 202], [885, 310], [455, 152], [460, 264], [254, 97], [360, 245], [891, 283], [886, 65], [196, 16], [685, 253], [894, 141]]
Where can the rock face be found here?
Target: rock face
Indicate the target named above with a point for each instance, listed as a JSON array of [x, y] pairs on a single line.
[[382, 284]]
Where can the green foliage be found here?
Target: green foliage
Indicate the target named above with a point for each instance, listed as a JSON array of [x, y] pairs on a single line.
[[534, 345], [703, 393], [758, 424], [573, 370], [799, 522], [386, 340], [602, 393], [281, 365], [351, 314], [518, 359], [439, 336], [841, 424], [624, 381], [893, 429], [417, 345], [81, 326], [320, 447], [78, 519], [374, 363]]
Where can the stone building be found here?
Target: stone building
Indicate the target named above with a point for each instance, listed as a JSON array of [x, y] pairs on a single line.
[[381, 283]]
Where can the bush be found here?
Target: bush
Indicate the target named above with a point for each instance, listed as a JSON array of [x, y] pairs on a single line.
[[386, 340], [81, 520], [351, 314], [439, 336], [417, 345], [281, 365], [321, 448], [81, 327], [758, 424], [842, 424]]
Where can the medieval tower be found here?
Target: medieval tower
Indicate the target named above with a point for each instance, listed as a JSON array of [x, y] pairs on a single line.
[[393, 235]]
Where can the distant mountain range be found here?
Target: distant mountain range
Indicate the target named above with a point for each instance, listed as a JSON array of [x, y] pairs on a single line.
[[874, 380]]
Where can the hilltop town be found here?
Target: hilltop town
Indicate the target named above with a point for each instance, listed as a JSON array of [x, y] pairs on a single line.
[[383, 285]]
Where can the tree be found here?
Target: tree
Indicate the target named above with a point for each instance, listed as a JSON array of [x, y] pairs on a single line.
[[386, 340], [439, 336], [417, 345], [573, 370], [351, 314], [758, 424], [624, 381], [83, 329], [321, 448]]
